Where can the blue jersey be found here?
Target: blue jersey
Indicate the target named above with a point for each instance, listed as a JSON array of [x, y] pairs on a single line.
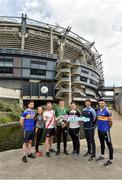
[[29, 122], [103, 119]]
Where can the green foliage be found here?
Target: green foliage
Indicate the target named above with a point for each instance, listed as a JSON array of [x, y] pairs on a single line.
[[13, 114], [4, 120], [5, 107]]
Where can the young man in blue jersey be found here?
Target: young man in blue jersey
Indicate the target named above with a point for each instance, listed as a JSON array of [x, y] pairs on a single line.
[[89, 116], [104, 123], [28, 124]]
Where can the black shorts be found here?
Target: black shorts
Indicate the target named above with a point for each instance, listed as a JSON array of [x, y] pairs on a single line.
[[28, 136], [50, 132]]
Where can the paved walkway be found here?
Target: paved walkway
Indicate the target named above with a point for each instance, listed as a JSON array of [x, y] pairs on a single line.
[[65, 167]]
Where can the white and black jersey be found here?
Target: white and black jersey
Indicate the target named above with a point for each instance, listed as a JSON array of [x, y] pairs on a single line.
[[74, 113]]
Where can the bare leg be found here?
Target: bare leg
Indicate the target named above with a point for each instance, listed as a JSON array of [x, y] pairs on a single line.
[[25, 149], [51, 141], [29, 147], [47, 144]]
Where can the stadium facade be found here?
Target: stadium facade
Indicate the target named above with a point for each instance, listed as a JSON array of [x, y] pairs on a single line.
[[35, 54]]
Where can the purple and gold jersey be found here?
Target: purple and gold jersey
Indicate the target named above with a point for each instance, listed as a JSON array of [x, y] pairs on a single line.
[[29, 122], [103, 119]]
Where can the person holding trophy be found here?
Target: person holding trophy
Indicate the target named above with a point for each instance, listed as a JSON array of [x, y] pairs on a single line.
[[74, 118], [60, 113]]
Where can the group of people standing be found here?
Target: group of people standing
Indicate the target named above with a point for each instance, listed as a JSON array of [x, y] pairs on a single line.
[[65, 121]]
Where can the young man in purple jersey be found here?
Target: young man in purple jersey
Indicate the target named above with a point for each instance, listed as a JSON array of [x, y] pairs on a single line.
[[28, 124]]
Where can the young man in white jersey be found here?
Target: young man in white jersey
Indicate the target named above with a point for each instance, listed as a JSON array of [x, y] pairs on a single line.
[[74, 128], [49, 118]]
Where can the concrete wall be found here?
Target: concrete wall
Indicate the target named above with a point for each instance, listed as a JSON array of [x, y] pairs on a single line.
[[9, 93], [10, 84], [118, 103]]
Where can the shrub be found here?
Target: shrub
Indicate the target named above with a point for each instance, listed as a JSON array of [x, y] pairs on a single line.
[[4, 120], [14, 112], [5, 107]]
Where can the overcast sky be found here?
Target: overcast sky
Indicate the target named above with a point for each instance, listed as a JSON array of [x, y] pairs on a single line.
[[95, 20]]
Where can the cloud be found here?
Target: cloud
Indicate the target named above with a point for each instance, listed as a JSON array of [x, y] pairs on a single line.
[[96, 20]]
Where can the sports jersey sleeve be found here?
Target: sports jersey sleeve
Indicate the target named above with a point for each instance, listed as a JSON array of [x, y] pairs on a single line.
[[67, 111], [78, 113], [109, 114], [23, 115], [56, 112], [94, 114]]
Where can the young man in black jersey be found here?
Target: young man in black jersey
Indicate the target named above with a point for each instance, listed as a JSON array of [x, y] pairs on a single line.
[[89, 116]]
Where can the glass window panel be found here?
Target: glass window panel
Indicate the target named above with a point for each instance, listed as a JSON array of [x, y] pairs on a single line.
[[26, 62], [43, 62], [1, 70], [8, 64], [1, 63], [93, 82], [34, 66], [38, 72], [26, 73], [17, 72], [25, 88], [50, 65], [42, 67], [84, 71], [84, 79], [49, 74], [34, 76], [8, 70], [41, 72], [42, 77], [17, 62], [35, 89]]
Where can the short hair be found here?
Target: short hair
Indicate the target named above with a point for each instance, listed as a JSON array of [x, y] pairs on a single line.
[[73, 103], [61, 100], [31, 101], [49, 102], [39, 107], [101, 100], [88, 100]]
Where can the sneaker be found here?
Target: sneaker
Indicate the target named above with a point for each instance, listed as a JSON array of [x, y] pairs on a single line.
[[48, 154], [31, 156], [76, 156], [52, 150], [38, 154], [100, 158], [57, 153], [109, 162], [24, 159], [66, 152], [91, 158], [86, 154], [73, 152]]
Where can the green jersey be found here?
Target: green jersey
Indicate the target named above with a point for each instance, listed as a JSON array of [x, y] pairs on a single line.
[[60, 112]]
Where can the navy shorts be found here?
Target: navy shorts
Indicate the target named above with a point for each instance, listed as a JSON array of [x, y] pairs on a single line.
[[50, 132], [28, 136]]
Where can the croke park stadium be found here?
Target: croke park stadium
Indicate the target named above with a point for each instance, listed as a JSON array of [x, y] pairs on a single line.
[[34, 54]]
